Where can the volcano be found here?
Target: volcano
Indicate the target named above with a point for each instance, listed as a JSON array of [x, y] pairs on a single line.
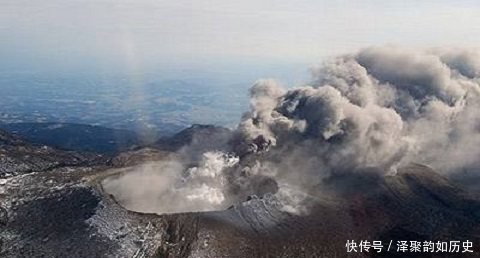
[[376, 157], [62, 210]]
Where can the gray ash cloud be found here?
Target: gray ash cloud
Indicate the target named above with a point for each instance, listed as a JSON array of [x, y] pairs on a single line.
[[375, 110], [381, 107]]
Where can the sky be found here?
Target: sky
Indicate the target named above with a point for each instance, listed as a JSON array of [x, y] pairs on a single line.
[[141, 35]]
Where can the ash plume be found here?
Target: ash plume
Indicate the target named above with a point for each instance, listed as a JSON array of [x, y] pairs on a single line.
[[379, 108]]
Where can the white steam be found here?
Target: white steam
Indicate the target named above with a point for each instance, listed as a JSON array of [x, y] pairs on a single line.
[[169, 187]]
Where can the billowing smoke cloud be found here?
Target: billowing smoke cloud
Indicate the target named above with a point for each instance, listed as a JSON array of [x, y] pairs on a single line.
[[381, 108]]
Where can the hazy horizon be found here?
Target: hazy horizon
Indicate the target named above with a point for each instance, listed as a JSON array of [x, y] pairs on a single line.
[[147, 36]]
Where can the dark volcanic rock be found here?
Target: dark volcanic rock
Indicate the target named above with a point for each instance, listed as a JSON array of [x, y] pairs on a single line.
[[19, 157], [58, 221], [63, 213]]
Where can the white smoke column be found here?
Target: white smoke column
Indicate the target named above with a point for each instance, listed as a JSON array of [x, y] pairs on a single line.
[[206, 183]]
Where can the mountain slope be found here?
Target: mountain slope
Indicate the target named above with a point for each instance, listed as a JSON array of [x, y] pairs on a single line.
[[198, 136], [20, 157]]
